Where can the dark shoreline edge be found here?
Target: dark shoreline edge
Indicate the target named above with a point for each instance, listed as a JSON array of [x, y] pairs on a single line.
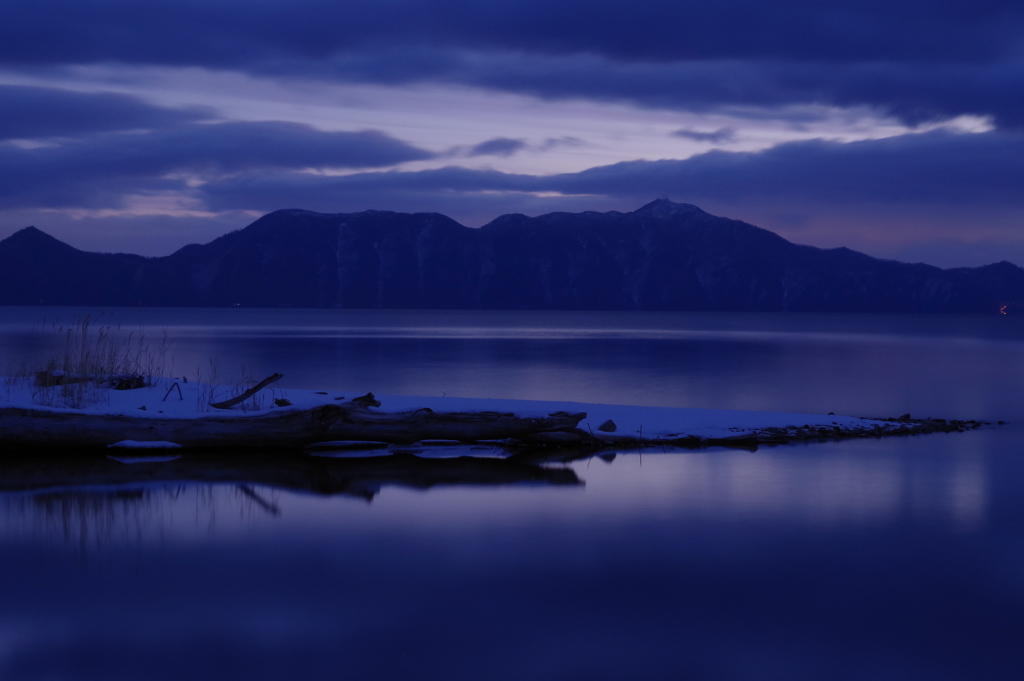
[[901, 426], [568, 439], [64, 471]]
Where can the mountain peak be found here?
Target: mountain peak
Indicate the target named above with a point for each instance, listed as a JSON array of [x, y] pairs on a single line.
[[663, 208], [32, 237], [30, 232]]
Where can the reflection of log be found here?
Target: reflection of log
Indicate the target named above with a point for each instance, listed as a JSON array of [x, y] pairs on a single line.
[[285, 428], [359, 476], [269, 507]]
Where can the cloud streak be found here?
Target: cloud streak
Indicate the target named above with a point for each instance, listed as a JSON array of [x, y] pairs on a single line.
[[499, 146], [934, 168], [38, 112], [98, 171], [720, 136]]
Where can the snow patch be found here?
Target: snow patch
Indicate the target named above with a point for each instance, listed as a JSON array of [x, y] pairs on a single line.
[[144, 459], [145, 444], [157, 402]]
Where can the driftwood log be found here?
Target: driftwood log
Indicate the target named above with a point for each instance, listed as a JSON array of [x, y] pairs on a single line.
[[227, 404], [70, 428], [357, 422], [350, 420]]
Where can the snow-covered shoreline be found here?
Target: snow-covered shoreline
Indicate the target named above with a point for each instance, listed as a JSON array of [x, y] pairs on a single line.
[[173, 399]]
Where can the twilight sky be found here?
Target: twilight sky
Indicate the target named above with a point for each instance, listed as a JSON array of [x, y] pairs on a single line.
[[893, 127]]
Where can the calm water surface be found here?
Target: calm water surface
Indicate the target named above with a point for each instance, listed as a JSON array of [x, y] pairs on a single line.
[[884, 559]]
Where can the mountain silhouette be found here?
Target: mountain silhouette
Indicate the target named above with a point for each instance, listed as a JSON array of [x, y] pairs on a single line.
[[664, 256]]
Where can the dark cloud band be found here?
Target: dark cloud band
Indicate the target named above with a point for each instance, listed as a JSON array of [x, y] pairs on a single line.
[[952, 57], [38, 112], [97, 171], [227, 33]]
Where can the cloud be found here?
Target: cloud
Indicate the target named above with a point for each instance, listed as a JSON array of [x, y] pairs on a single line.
[[720, 136], [935, 168], [265, 166], [392, 190], [499, 146], [565, 141], [506, 146], [99, 170], [38, 112], [220, 33], [235, 146], [912, 92], [956, 57]]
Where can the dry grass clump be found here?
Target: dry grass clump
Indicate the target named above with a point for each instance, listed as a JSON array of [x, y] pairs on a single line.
[[90, 357], [83, 360]]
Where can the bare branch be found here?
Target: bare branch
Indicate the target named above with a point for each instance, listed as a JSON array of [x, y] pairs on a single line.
[[227, 404]]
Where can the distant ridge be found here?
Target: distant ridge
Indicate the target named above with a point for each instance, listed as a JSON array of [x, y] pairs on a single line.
[[664, 256]]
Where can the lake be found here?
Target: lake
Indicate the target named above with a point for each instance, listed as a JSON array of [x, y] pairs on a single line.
[[899, 558]]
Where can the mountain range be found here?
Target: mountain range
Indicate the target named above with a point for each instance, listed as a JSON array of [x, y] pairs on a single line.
[[664, 256]]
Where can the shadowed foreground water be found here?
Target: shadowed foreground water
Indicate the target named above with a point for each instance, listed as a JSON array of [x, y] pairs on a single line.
[[899, 558]]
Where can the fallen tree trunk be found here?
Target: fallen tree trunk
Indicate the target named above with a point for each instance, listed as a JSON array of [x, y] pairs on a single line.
[[71, 428], [356, 422], [276, 429]]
